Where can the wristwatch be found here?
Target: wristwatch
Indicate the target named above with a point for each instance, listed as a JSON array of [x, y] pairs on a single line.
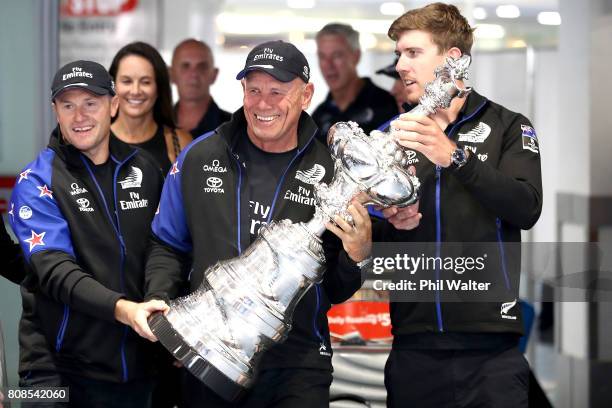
[[459, 157], [365, 263]]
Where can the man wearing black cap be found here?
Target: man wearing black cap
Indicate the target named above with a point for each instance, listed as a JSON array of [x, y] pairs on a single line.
[[264, 163], [79, 211]]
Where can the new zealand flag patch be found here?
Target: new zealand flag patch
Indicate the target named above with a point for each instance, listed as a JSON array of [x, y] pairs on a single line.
[[530, 140]]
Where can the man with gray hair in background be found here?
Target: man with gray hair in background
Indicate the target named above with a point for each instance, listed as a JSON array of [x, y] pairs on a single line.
[[350, 97]]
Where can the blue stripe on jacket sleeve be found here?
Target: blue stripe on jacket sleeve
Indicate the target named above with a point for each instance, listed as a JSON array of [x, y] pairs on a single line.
[[36, 218]]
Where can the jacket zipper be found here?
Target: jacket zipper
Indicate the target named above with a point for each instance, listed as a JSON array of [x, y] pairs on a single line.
[[438, 248], [122, 273], [238, 193], [117, 227], [439, 318], [315, 324], [500, 243]]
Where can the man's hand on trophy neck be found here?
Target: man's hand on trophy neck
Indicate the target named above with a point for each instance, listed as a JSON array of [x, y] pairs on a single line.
[[356, 238], [424, 135], [444, 117]]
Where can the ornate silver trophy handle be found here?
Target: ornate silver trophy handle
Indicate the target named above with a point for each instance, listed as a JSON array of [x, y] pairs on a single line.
[[440, 92], [377, 164]]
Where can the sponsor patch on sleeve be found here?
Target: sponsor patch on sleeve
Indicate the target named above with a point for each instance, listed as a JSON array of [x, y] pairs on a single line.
[[530, 140]]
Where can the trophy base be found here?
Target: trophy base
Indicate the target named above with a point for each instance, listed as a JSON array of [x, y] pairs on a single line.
[[192, 361]]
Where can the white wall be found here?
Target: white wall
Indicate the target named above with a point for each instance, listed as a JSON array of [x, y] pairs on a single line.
[[502, 77], [21, 88]]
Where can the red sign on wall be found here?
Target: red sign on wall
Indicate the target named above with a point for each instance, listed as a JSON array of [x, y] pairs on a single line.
[[369, 321], [96, 8]]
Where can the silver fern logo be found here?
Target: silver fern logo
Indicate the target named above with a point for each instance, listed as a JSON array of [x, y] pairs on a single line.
[[477, 135], [133, 179], [505, 308], [311, 176]]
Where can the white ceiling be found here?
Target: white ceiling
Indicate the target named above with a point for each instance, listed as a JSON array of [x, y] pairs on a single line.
[[268, 13], [371, 7]]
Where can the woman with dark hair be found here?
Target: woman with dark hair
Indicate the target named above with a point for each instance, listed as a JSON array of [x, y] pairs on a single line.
[[145, 117]]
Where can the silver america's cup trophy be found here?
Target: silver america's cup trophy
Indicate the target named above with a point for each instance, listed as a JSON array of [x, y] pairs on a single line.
[[245, 305]]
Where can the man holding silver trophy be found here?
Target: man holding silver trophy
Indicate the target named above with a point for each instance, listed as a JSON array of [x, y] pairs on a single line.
[[479, 168], [226, 189]]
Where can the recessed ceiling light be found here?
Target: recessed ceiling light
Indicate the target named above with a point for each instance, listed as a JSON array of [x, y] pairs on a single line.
[[301, 4], [479, 13], [392, 8], [520, 43], [489, 31], [508, 11], [549, 18]]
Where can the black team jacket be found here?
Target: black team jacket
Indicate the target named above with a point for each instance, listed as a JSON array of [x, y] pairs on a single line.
[[489, 200], [82, 257]]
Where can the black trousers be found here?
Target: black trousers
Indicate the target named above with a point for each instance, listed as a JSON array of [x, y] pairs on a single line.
[[88, 393], [274, 388], [496, 378], [167, 387]]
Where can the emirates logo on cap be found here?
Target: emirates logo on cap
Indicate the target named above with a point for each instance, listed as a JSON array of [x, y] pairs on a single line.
[[268, 54], [87, 75], [279, 59], [77, 72]]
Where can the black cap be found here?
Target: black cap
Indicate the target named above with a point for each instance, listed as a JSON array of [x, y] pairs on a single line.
[[87, 75], [389, 70], [280, 59]]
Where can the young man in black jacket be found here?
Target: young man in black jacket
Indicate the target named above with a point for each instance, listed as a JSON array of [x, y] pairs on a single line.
[[264, 163], [79, 211], [479, 165]]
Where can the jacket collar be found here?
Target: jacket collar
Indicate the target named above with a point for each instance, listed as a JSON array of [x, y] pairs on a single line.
[[233, 129], [474, 102], [119, 150]]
